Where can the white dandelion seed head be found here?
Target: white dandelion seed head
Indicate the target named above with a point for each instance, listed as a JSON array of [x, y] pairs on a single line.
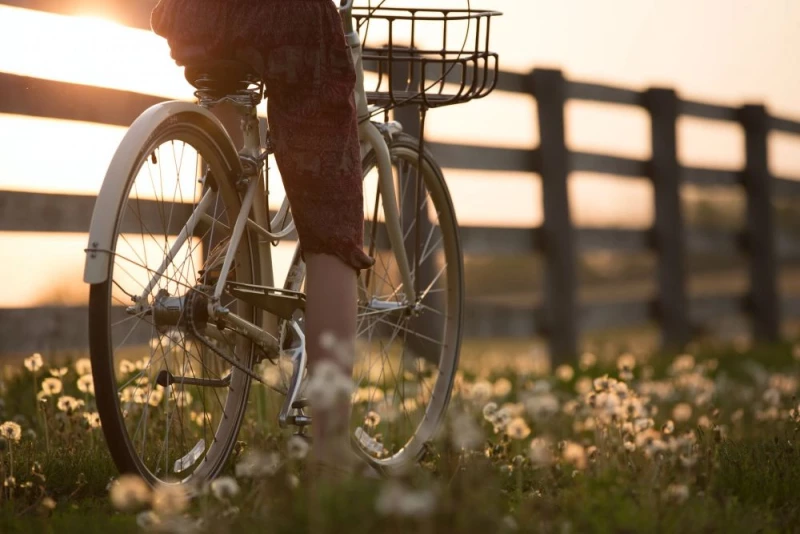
[[225, 488], [170, 499], [68, 404], [328, 385], [540, 452], [34, 362], [11, 431], [86, 384], [83, 366], [126, 367], [257, 464], [52, 386], [518, 429], [565, 372], [129, 493], [464, 432], [59, 372], [502, 387], [297, 448]]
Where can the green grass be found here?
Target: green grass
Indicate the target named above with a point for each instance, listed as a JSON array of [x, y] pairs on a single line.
[[742, 473]]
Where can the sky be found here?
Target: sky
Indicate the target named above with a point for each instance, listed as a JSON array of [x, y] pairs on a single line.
[[721, 51]]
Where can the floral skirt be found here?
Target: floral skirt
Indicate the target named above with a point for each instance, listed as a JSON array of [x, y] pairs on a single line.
[[309, 74]]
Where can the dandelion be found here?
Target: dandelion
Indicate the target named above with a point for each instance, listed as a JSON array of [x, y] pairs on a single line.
[[83, 366], [465, 434], [52, 386], [225, 488], [170, 499], [48, 503], [68, 404], [574, 453], [328, 384], [92, 419], [200, 418], [11, 431], [683, 363], [395, 499], [156, 396], [704, 422], [668, 428], [587, 361], [540, 453], [542, 406], [34, 362], [682, 412], [772, 397], [583, 385], [501, 388], [626, 361], [182, 398], [297, 448], [86, 384], [59, 372], [481, 391], [256, 464], [518, 429], [126, 367], [372, 419], [489, 411], [565, 372], [129, 493], [676, 493], [10, 482], [630, 446]]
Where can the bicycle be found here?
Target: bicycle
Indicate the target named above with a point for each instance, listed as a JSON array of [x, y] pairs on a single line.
[[180, 325]]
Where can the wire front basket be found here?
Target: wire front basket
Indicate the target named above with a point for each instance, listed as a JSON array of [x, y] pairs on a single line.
[[449, 46]]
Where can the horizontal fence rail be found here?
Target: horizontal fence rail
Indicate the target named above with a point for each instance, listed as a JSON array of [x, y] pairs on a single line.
[[559, 313]]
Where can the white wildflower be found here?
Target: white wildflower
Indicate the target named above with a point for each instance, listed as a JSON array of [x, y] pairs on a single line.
[[297, 447], [11, 431], [225, 488], [52, 386], [83, 366], [34, 362], [129, 493], [257, 464]]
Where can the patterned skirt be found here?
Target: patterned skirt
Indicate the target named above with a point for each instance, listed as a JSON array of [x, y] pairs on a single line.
[[310, 79]]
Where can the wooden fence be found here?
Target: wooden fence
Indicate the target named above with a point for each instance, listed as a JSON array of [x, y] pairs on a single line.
[[561, 317]]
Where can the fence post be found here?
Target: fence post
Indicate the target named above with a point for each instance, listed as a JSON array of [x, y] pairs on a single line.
[[760, 231], [668, 228], [560, 286]]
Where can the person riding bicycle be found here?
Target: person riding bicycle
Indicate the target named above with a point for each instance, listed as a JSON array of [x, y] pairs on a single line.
[[300, 50]]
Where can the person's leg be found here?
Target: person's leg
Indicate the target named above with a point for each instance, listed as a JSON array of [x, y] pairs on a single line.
[[330, 311], [314, 129]]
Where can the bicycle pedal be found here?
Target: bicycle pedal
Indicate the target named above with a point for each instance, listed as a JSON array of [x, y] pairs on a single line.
[[299, 404], [280, 302]]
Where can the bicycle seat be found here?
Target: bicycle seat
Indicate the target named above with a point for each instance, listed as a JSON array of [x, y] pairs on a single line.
[[219, 74]]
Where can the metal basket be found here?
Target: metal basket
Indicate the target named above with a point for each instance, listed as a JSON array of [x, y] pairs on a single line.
[[450, 46]]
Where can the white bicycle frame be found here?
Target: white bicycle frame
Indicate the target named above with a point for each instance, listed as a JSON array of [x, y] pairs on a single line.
[[253, 215]]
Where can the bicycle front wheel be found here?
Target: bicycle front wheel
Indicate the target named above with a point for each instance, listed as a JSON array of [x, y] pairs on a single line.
[[406, 352], [169, 404]]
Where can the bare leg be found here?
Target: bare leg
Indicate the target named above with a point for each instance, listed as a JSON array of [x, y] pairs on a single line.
[[330, 309]]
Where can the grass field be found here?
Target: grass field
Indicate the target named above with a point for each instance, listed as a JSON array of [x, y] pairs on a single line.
[[700, 442]]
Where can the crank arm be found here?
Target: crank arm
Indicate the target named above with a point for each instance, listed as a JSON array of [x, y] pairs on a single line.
[[298, 356]]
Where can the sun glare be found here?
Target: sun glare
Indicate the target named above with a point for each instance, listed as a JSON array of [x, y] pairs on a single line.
[[88, 50]]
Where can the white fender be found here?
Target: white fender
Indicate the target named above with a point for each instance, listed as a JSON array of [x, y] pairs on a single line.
[[115, 186]]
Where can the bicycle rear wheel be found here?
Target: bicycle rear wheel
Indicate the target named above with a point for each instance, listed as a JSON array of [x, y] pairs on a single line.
[[145, 350], [406, 352]]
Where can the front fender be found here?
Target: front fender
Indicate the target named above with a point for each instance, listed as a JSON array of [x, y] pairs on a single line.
[[116, 183]]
